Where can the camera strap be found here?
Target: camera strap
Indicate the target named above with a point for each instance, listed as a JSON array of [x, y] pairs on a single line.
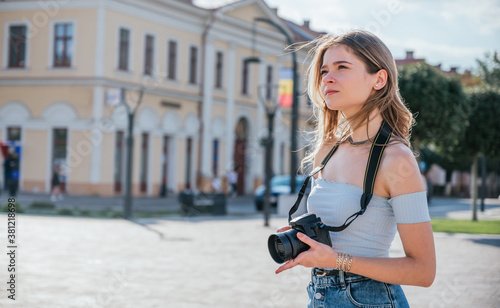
[[381, 139]]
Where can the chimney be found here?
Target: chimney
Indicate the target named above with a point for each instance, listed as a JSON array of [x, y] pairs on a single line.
[[453, 70], [306, 23], [275, 11], [468, 74], [409, 55]]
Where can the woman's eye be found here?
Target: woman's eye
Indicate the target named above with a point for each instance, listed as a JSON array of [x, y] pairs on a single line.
[[324, 73], [342, 67]]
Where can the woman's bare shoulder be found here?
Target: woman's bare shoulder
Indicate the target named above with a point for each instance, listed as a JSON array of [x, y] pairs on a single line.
[[398, 150], [400, 170]]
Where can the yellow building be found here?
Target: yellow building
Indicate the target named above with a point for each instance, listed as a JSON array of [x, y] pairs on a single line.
[[65, 61]]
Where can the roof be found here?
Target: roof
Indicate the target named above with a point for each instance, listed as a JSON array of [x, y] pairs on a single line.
[[302, 32]]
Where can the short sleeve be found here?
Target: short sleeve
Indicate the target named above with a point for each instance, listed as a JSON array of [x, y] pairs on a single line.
[[410, 208]]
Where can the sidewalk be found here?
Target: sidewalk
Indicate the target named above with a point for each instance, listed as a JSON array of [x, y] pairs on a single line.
[[199, 262], [206, 262], [239, 205], [209, 261], [243, 205]]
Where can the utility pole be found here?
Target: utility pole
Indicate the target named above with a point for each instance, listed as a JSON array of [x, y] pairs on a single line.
[[271, 105], [295, 104], [130, 146]]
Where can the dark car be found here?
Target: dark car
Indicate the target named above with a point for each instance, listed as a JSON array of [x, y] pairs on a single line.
[[280, 184]]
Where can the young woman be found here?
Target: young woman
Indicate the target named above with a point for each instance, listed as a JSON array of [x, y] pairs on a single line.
[[353, 83]]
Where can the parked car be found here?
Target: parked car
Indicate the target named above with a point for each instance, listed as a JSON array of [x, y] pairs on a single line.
[[280, 184]]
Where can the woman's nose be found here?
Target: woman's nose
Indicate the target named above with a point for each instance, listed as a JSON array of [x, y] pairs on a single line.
[[328, 78]]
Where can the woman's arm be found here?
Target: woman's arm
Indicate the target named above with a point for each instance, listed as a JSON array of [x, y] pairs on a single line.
[[417, 268], [400, 176]]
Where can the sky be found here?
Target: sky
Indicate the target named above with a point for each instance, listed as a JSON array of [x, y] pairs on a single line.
[[453, 33]]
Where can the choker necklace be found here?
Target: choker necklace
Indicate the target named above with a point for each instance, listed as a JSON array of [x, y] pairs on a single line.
[[357, 143]]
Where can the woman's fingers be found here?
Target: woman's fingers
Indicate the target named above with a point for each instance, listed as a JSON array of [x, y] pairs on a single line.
[[288, 265], [283, 229], [306, 239]]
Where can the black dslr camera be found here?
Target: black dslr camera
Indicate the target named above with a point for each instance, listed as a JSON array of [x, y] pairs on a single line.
[[285, 246]]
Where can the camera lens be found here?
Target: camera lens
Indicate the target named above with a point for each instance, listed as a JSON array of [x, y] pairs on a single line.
[[285, 246]]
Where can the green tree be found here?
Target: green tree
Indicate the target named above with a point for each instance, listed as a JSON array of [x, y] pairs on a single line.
[[481, 135], [439, 102], [489, 69]]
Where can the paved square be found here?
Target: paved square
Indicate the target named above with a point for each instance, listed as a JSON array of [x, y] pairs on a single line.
[[197, 262]]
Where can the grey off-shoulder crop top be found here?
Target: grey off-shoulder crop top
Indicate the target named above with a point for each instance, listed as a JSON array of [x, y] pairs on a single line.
[[372, 233]]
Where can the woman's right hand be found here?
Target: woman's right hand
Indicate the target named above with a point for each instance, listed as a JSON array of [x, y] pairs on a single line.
[[283, 229]]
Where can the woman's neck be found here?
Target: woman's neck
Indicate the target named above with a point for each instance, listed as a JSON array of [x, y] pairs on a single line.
[[368, 129]]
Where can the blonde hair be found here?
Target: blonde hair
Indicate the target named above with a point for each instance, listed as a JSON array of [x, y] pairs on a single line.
[[332, 124]]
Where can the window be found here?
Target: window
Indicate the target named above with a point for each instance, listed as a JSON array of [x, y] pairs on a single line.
[[244, 79], [218, 69], [60, 143], [172, 60], [63, 45], [123, 49], [269, 82], [193, 63], [60, 151], [14, 133], [17, 46], [148, 55]]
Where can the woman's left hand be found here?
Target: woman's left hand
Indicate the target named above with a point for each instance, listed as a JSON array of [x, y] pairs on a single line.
[[318, 255]]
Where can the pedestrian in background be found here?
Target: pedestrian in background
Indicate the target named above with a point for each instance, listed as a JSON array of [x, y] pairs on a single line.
[[216, 184], [353, 84], [232, 177], [11, 167], [55, 191]]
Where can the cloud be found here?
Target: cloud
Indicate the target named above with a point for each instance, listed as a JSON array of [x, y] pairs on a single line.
[[454, 33], [449, 55], [484, 14]]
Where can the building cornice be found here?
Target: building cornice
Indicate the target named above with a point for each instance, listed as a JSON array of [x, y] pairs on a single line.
[[95, 82]]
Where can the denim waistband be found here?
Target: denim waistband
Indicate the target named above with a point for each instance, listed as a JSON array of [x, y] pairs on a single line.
[[336, 280]]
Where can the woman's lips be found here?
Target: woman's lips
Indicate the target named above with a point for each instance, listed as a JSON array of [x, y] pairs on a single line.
[[330, 92]]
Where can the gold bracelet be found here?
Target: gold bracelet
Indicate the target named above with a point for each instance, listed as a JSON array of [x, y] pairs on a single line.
[[344, 262], [340, 256], [349, 265]]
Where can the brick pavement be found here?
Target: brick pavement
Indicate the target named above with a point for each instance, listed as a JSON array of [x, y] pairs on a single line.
[[204, 262]]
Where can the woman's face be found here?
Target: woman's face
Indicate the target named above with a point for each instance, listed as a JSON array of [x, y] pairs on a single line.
[[345, 82]]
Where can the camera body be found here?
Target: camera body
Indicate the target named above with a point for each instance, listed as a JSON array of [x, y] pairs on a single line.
[[285, 246]]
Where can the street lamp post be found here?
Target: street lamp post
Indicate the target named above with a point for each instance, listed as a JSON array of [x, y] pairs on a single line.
[[268, 96], [295, 104], [130, 146]]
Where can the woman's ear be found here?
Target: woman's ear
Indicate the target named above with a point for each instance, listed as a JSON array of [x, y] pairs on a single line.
[[381, 79]]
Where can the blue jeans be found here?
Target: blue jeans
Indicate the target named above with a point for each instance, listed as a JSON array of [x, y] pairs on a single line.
[[353, 291]]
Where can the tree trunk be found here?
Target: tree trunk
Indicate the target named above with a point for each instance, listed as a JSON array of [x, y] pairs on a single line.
[[473, 186]]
